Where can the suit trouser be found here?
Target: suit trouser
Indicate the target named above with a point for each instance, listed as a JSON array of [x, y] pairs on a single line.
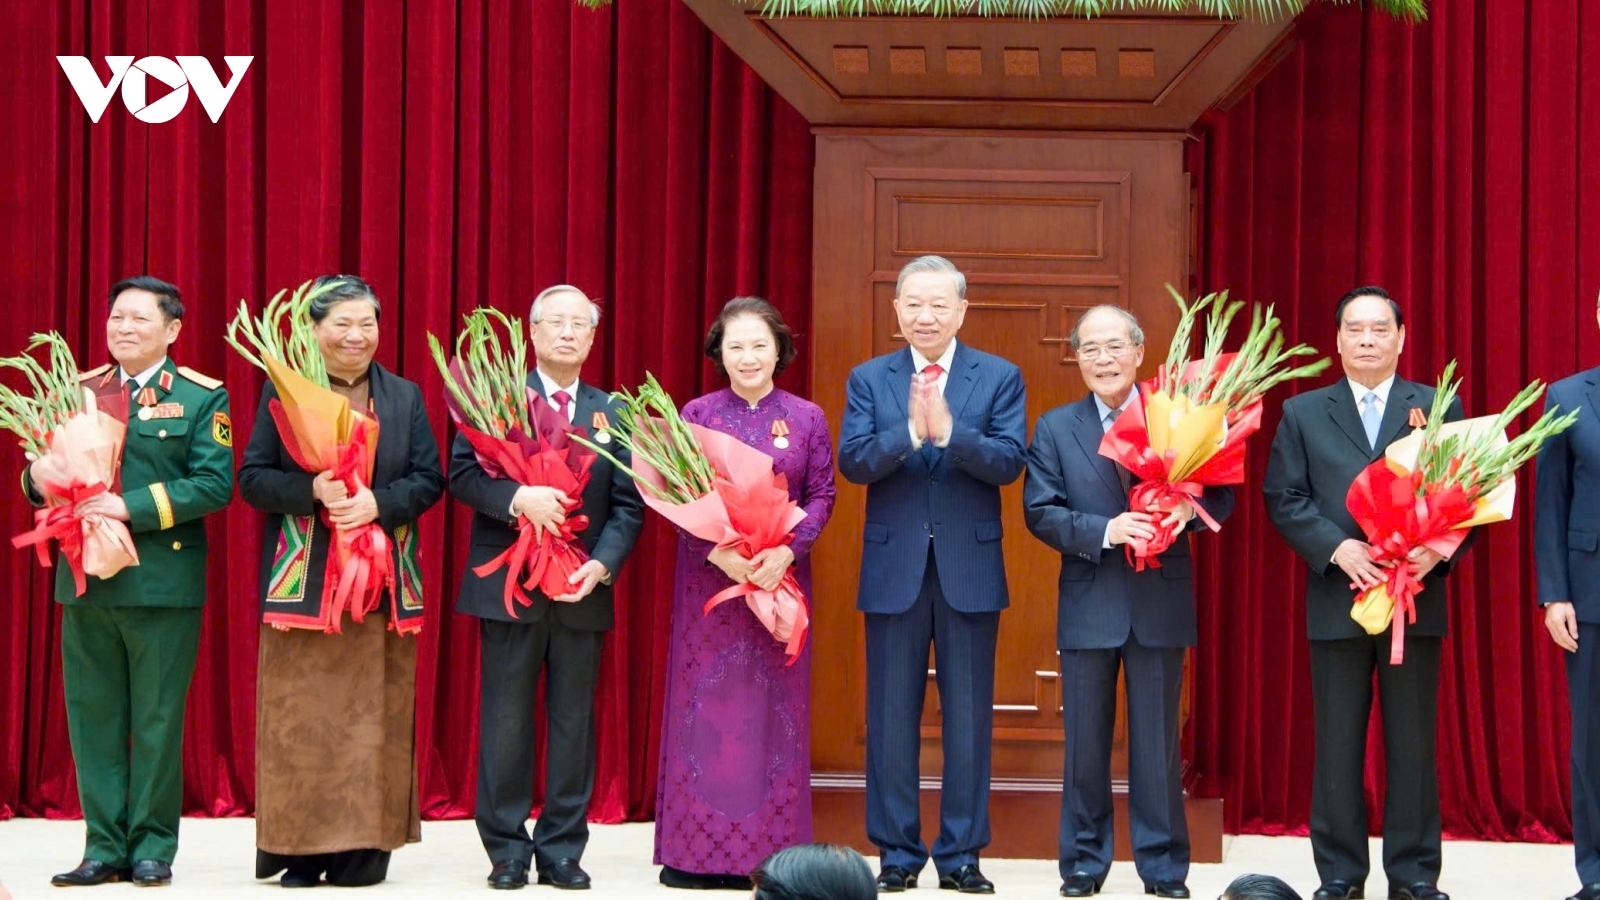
[[897, 683], [1583, 691], [1156, 821], [513, 654], [126, 673], [1341, 691]]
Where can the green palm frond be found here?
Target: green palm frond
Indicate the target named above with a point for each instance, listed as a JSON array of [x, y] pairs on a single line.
[[1407, 10]]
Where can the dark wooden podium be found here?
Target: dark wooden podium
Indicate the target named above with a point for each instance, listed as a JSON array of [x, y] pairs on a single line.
[[1045, 159]]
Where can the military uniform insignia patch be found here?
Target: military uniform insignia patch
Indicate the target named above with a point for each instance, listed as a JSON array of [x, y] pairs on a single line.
[[222, 428]]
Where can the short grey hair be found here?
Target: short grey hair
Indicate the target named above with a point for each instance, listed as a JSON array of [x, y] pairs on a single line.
[[932, 264], [1135, 333], [538, 303]]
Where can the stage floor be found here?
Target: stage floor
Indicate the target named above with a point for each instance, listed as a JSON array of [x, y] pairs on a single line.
[[217, 858]]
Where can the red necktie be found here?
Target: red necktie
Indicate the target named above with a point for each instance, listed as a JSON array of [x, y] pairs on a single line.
[[562, 399], [932, 372]]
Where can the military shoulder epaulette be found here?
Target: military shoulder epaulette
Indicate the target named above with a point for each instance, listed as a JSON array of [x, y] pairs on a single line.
[[100, 370], [204, 381]]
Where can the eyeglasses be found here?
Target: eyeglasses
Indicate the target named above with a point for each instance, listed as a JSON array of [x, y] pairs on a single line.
[[1115, 350], [558, 324]]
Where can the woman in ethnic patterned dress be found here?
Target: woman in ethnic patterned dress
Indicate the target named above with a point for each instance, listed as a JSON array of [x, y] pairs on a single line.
[[336, 782], [735, 780]]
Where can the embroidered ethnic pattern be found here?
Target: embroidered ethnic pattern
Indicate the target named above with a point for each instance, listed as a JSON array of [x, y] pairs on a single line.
[[410, 567], [289, 564]]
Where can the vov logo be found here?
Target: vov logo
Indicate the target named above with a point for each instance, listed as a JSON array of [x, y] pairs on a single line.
[[188, 71]]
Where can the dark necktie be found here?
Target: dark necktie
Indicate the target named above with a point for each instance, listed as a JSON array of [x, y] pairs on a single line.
[[1123, 475]]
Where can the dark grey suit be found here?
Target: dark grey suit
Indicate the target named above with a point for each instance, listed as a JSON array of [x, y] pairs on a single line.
[[1109, 615], [1317, 453], [561, 639]]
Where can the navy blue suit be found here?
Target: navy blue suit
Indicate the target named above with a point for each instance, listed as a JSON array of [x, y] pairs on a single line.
[[1566, 535], [932, 570], [1110, 615]]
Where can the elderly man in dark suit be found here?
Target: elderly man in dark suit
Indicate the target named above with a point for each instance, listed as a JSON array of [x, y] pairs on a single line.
[[560, 635], [1109, 616], [1325, 439], [934, 431], [1566, 536]]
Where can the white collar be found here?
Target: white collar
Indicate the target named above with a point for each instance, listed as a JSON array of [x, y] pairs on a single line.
[[1104, 410], [143, 378], [945, 360], [550, 387], [1382, 390]]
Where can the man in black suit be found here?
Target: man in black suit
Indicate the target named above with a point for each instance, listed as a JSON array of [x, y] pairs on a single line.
[[1325, 439], [1110, 616], [561, 635]]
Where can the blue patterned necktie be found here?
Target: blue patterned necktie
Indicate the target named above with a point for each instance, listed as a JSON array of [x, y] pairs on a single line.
[[1370, 418]]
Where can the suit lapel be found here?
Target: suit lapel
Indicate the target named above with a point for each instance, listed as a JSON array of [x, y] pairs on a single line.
[[1089, 432], [584, 406], [900, 372], [1593, 392], [963, 380], [392, 456], [1342, 409], [1396, 413]]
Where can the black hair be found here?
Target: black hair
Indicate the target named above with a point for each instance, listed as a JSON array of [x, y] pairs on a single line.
[[350, 287], [1370, 290], [814, 872], [761, 309], [167, 297], [1259, 887]]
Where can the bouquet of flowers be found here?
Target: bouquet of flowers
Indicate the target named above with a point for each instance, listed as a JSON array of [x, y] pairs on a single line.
[[1433, 485], [1189, 431], [76, 450], [517, 435], [719, 489], [322, 433]]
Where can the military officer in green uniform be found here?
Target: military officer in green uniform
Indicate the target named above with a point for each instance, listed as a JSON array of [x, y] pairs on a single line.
[[128, 645]]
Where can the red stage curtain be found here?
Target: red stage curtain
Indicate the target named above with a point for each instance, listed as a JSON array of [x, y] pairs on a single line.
[[458, 154], [454, 154], [1455, 164]]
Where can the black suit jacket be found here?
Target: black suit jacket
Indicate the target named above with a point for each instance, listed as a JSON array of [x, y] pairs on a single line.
[[406, 479], [1317, 453], [611, 501], [1070, 494]]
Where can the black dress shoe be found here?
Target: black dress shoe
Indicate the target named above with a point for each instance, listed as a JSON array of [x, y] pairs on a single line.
[[91, 872], [293, 879], [893, 880], [1339, 890], [1588, 892], [509, 875], [151, 873], [691, 881], [1422, 890], [967, 880], [566, 874], [1168, 889], [1080, 884]]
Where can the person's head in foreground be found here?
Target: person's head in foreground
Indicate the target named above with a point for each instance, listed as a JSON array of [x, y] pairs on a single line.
[[814, 872], [1258, 887]]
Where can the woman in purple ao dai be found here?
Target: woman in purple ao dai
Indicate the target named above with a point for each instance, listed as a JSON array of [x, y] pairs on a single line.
[[735, 782]]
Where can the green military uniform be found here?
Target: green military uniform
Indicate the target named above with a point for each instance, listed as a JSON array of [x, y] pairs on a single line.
[[128, 645]]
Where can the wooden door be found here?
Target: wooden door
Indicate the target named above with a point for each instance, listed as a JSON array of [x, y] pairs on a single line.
[[1044, 226]]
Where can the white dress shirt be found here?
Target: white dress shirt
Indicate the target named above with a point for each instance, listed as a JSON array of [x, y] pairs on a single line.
[[143, 378], [920, 362], [550, 388], [1382, 390]]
